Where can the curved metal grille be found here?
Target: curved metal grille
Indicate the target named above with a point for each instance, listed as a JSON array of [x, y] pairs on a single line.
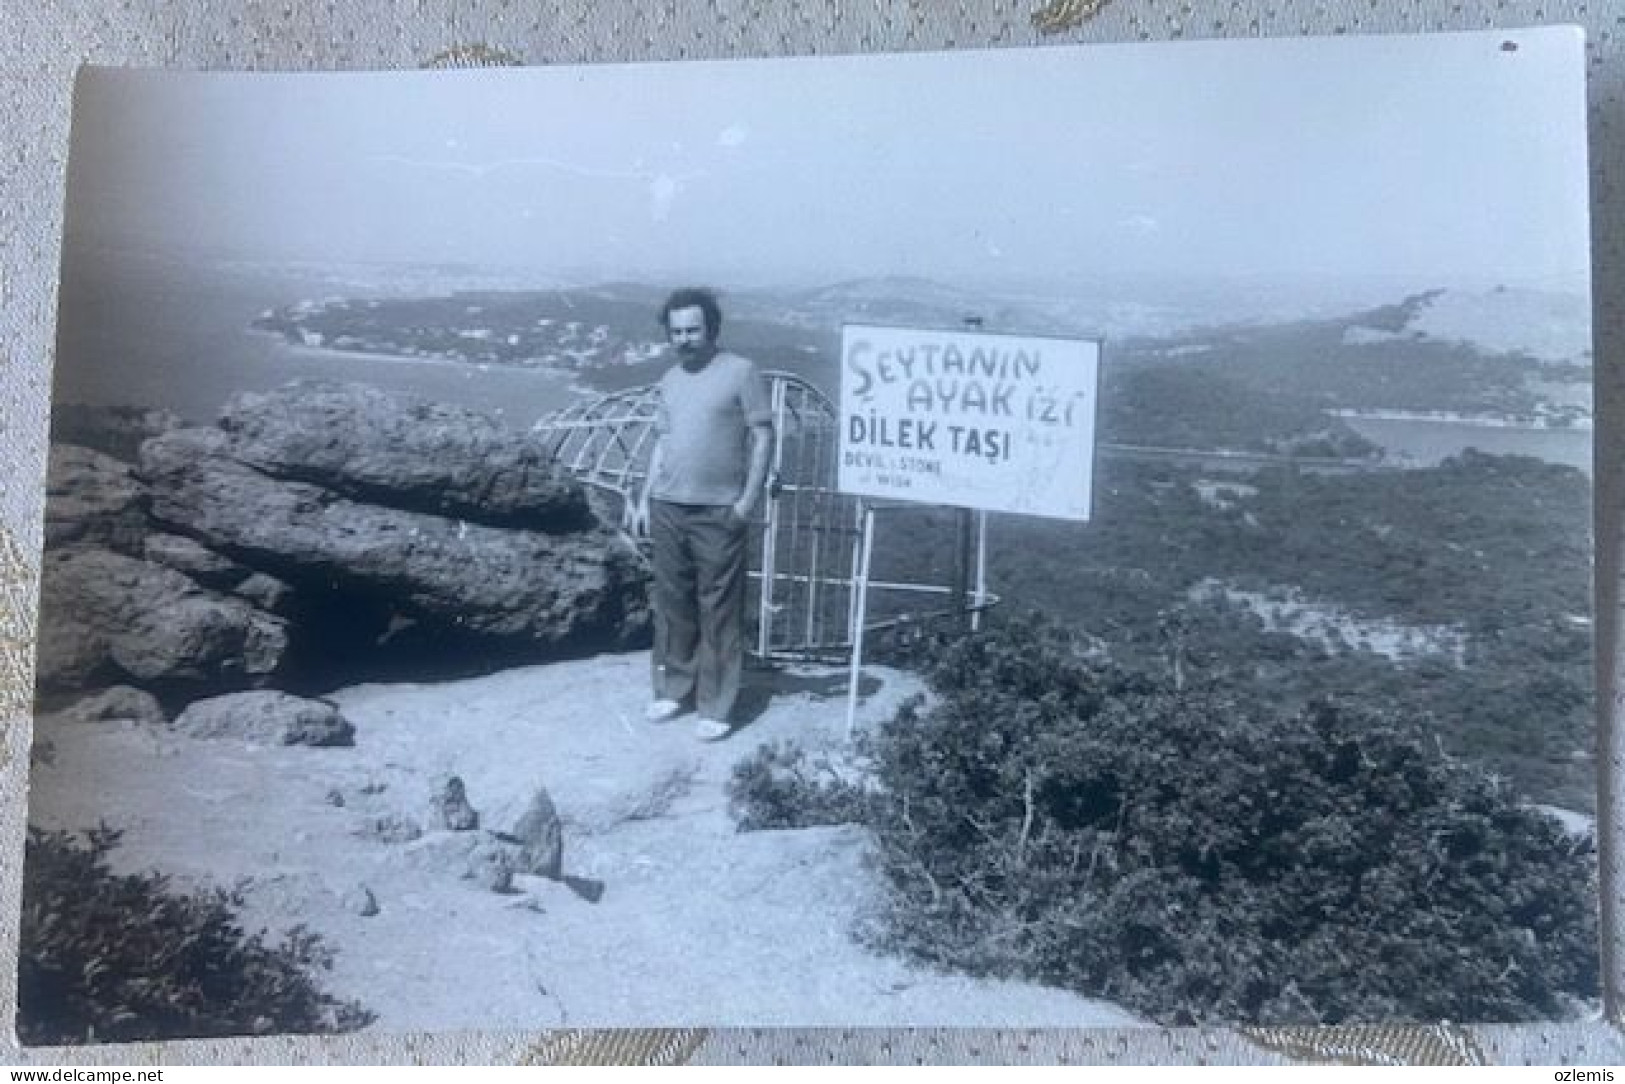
[[605, 442]]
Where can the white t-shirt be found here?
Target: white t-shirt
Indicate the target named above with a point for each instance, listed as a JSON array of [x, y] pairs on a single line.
[[703, 424]]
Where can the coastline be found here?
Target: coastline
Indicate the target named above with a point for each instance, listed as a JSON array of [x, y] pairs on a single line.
[[520, 395], [1448, 417]]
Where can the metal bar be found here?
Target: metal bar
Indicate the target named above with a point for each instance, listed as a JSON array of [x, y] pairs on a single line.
[[981, 571], [874, 585], [805, 502], [823, 463], [962, 559], [867, 549], [764, 601], [810, 627]]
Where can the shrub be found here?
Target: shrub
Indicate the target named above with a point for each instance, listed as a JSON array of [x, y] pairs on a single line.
[[110, 958], [780, 786], [1198, 856]]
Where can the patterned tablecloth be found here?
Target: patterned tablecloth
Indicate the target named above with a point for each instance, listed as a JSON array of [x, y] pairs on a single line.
[[41, 46]]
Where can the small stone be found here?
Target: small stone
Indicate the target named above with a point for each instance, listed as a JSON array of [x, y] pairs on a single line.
[[392, 829], [491, 867], [540, 837], [360, 900], [450, 809], [528, 903], [335, 797]]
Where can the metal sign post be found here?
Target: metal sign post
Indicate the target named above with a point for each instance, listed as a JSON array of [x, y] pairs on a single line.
[[981, 571], [860, 607], [964, 419]]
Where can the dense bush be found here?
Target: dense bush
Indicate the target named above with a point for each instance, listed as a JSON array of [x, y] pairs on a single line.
[[1198, 856], [111, 958], [781, 786]]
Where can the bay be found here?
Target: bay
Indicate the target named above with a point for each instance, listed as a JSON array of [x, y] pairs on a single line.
[[176, 335]]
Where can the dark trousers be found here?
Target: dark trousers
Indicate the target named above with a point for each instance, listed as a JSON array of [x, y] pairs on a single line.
[[699, 602]]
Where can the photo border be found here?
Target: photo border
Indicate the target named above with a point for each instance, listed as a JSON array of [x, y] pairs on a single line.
[[37, 68]]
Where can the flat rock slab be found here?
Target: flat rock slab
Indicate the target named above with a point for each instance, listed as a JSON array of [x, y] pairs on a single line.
[[574, 591], [405, 452]]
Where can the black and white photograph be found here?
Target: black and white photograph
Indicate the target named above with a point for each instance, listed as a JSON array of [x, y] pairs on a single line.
[[1082, 536]]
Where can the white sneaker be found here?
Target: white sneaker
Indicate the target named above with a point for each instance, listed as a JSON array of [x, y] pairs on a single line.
[[662, 709], [711, 729]]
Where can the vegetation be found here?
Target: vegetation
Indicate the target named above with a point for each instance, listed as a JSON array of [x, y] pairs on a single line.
[[1495, 549], [1200, 405], [780, 786], [1199, 854], [1364, 360], [111, 958]]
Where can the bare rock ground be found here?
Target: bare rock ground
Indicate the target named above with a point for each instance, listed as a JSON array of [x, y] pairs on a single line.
[[665, 915]]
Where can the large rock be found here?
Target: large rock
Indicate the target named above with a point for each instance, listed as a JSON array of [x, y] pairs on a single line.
[[404, 452], [585, 590], [267, 717], [120, 703], [106, 614], [93, 498]]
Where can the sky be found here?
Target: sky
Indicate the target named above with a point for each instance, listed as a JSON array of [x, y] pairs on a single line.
[[1444, 157]]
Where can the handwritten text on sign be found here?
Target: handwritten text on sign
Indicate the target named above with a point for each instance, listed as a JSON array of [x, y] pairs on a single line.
[[1004, 423]]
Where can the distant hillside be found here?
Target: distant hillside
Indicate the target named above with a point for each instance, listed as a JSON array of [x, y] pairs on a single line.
[[899, 300], [1384, 358], [1553, 328], [1255, 386]]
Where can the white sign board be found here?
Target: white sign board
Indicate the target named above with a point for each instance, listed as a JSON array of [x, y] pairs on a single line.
[[1003, 423]]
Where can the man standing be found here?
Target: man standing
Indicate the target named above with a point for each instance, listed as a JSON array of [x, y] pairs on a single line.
[[714, 434]]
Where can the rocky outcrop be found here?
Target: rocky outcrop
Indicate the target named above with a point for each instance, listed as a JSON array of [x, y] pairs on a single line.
[[289, 505], [107, 615], [91, 498], [320, 534], [268, 718], [405, 453]]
